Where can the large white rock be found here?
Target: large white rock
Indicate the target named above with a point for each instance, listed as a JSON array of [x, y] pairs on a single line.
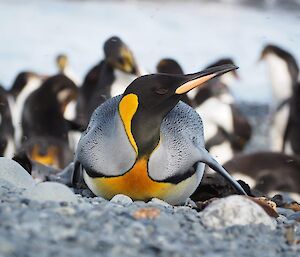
[[14, 173], [50, 191], [235, 210]]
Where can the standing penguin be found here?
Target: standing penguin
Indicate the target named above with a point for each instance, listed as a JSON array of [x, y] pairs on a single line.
[[107, 79], [267, 173], [284, 72], [63, 66], [147, 143], [226, 129], [7, 147], [45, 131], [23, 86]]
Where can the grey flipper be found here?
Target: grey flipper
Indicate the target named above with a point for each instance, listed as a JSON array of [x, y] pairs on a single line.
[[206, 158]]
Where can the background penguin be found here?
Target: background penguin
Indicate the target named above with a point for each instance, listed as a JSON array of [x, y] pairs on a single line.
[[291, 137], [267, 172], [147, 143], [170, 66], [7, 147], [45, 131], [23, 86], [63, 66], [284, 72], [226, 128], [107, 79]]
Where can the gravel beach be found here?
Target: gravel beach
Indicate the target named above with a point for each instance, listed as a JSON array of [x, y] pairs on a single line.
[[94, 226]]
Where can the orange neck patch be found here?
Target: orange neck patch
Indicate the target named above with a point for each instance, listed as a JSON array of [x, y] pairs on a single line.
[[50, 158]]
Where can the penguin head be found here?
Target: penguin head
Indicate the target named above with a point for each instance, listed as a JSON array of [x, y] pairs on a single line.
[[161, 92], [119, 56], [62, 62], [24, 79], [169, 66], [269, 49], [61, 88], [274, 55]]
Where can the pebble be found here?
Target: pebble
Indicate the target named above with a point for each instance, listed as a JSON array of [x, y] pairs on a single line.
[[121, 200], [295, 216], [14, 173], [160, 202], [235, 210], [50, 191], [285, 212]]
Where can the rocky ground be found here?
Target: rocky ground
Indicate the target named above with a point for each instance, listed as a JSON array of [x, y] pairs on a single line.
[[48, 219]]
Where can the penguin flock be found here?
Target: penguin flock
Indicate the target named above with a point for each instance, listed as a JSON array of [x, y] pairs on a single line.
[[122, 130]]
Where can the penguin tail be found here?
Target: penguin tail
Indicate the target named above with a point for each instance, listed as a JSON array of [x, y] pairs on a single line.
[[213, 164]]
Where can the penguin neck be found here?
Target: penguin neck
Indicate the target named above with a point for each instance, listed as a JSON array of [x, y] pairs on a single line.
[[142, 125], [146, 130]]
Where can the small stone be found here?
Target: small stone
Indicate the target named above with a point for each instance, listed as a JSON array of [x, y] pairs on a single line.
[[157, 201], [268, 206], [69, 211], [50, 191], [285, 212], [14, 173], [146, 213], [122, 200], [190, 203], [235, 210], [295, 216]]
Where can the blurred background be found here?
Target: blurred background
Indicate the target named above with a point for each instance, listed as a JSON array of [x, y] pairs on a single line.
[[195, 33]]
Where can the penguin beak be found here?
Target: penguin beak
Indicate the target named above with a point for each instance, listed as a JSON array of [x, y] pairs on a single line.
[[197, 79]]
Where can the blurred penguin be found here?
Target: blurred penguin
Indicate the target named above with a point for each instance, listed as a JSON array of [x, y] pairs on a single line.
[[24, 84], [63, 65], [267, 173], [226, 129], [70, 113], [45, 130], [7, 146], [284, 72], [107, 79]]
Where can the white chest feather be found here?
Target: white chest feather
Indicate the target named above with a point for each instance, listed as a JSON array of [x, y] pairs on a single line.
[[122, 80], [18, 105], [68, 72], [215, 112], [278, 128], [222, 152], [280, 77]]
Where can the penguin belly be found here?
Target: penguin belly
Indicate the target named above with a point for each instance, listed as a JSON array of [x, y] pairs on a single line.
[[137, 184], [278, 127]]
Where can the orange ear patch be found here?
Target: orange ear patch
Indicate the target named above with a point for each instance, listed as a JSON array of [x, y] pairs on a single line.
[[50, 158]]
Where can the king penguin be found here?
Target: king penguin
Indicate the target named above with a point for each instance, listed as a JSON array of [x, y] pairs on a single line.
[[107, 79], [45, 130], [284, 75], [146, 143]]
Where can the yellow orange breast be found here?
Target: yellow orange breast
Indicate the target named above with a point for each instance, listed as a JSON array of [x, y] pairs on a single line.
[[135, 183]]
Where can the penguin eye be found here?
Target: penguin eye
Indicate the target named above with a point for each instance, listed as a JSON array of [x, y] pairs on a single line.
[[161, 91]]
